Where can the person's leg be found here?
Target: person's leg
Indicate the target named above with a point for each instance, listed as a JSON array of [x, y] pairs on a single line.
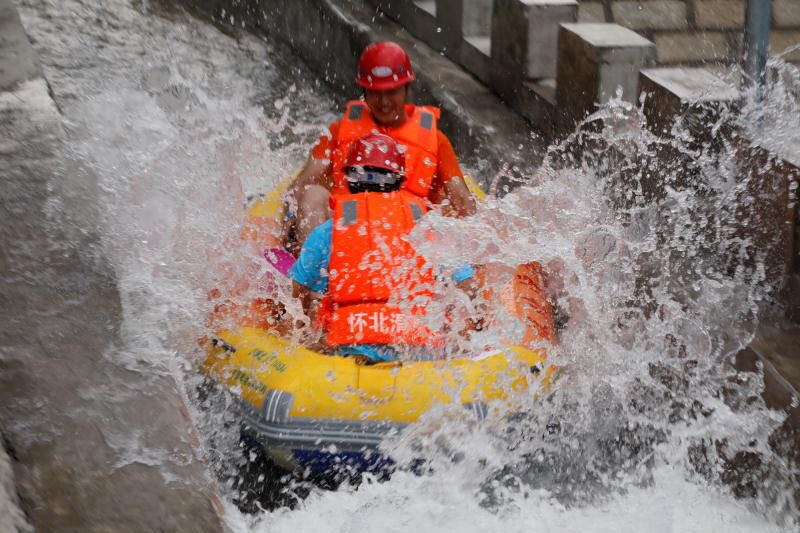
[[312, 210]]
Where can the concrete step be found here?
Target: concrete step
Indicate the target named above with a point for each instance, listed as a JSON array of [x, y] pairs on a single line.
[[418, 17], [429, 6], [537, 104], [481, 43], [546, 88], [476, 57]]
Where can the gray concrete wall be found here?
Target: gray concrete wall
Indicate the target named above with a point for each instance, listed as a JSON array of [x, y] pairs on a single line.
[[692, 32], [77, 422], [769, 175], [517, 56], [701, 100]]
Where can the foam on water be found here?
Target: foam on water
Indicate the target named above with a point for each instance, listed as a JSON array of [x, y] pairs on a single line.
[[443, 503], [180, 122]]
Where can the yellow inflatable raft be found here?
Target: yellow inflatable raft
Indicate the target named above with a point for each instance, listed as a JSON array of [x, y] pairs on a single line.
[[317, 411]]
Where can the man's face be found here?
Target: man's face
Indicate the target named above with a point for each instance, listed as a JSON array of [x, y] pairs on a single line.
[[387, 107]]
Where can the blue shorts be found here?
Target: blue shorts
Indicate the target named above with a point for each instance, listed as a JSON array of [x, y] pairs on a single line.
[[387, 352]]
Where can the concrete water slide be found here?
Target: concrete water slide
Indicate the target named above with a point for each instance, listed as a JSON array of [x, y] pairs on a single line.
[[67, 408]]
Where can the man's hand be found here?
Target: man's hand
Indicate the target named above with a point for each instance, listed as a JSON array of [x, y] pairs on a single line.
[[480, 319], [461, 199], [309, 299]]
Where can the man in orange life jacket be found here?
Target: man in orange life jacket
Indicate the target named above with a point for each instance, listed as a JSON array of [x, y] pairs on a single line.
[[432, 170], [376, 286]]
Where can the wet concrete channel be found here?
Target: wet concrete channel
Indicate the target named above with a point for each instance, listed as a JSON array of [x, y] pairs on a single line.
[[64, 399]]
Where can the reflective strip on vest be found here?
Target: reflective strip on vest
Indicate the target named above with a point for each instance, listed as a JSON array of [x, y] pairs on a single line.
[[416, 212], [426, 120], [354, 113], [349, 213]]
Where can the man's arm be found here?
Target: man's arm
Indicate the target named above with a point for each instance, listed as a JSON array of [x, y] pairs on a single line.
[[314, 172], [309, 272], [471, 287], [312, 180], [461, 199], [306, 202], [315, 169], [449, 183]]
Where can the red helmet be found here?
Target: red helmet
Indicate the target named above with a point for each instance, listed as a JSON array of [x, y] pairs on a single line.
[[376, 150], [384, 65]]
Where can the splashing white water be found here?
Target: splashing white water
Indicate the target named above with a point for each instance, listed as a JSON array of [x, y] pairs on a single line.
[[650, 427], [446, 503]]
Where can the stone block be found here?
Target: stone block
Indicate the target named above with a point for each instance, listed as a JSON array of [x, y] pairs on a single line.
[[418, 17], [537, 104], [781, 40], [544, 19], [695, 104], [594, 60], [524, 40], [717, 14], [767, 208], [476, 57], [651, 14], [591, 12], [697, 47], [449, 15], [466, 25], [792, 297], [786, 13], [765, 204], [695, 95], [477, 17], [428, 6]]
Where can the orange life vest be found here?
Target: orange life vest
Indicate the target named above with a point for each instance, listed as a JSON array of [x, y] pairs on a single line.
[[371, 262], [418, 135]]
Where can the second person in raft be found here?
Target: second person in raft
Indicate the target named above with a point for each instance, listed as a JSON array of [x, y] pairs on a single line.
[[432, 170], [358, 276]]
